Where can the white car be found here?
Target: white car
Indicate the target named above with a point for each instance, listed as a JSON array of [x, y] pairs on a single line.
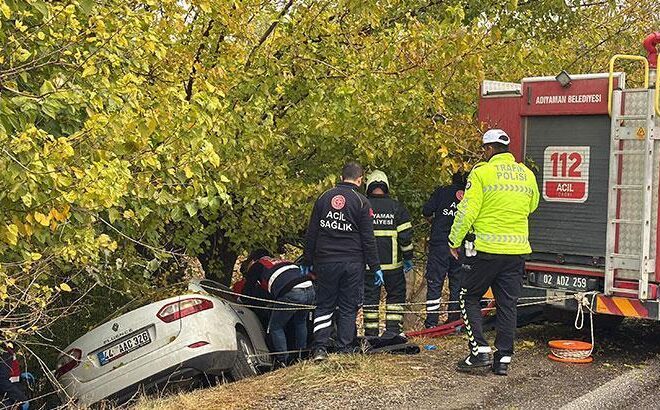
[[195, 335]]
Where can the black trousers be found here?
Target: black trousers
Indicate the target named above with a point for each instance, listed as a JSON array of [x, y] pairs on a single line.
[[504, 275], [439, 266], [338, 295], [395, 288]]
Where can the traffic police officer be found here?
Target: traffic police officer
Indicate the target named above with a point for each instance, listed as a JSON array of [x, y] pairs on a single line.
[[440, 210], [340, 241], [393, 231], [499, 196]]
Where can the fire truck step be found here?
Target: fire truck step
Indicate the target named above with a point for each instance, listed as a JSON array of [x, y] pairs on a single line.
[[628, 152], [627, 221], [625, 290], [631, 187], [631, 117]]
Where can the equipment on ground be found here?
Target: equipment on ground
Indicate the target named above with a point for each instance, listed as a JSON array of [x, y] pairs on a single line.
[[570, 351]]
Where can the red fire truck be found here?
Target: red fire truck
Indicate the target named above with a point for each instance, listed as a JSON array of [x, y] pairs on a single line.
[[593, 143]]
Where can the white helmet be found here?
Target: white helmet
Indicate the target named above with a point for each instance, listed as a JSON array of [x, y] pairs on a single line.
[[377, 177]]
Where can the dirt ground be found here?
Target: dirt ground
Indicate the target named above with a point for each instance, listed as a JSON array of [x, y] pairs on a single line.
[[429, 380]]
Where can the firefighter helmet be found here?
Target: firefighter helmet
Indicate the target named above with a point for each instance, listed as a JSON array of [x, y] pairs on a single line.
[[377, 179]]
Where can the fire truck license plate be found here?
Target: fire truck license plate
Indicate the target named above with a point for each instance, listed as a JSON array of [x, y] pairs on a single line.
[[122, 348], [556, 280]]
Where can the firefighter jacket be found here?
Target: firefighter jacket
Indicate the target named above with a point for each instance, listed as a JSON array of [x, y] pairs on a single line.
[[499, 197], [341, 229], [442, 207], [393, 231]]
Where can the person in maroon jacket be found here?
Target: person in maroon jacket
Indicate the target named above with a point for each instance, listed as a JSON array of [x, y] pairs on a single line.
[[283, 282], [10, 375]]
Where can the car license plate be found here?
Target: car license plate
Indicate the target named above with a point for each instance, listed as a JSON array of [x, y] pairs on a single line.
[[133, 343], [557, 280]]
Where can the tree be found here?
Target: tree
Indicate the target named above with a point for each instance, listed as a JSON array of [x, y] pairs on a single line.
[[133, 133]]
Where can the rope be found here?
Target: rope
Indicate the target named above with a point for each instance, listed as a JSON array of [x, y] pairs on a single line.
[[278, 353], [583, 303], [298, 306]]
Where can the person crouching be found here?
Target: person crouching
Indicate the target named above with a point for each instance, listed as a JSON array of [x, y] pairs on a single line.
[[285, 283]]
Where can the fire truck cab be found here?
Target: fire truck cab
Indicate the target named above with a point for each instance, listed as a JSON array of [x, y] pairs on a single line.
[[593, 144]]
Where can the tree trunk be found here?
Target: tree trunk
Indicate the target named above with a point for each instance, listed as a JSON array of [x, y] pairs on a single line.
[[218, 259]]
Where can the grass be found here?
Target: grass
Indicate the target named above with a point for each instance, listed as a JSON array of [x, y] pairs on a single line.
[[339, 371]]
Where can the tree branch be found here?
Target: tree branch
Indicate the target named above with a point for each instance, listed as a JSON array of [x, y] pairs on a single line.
[[198, 56], [268, 32]]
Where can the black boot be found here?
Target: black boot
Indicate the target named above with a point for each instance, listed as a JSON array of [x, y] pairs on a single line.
[[320, 355], [501, 365], [478, 361]]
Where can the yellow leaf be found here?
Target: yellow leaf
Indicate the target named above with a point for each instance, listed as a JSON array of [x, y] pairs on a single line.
[[41, 35], [11, 234], [89, 70], [6, 11], [57, 215], [42, 219], [204, 6], [65, 287], [35, 256]]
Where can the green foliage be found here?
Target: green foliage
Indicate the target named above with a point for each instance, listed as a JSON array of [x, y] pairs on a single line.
[[132, 132]]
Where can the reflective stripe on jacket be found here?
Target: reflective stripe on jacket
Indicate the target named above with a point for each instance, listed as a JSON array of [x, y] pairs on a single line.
[[393, 231], [499, 197]]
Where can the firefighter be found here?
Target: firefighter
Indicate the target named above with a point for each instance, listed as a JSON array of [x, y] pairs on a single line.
[[440, 210], [393, 231], [499, 196], [340, 241], [284, 282]]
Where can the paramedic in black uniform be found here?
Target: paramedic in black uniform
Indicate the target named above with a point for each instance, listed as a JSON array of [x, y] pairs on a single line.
[[440, 210], [340, 244]]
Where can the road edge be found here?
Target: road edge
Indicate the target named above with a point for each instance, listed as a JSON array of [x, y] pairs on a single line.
[[622, 391]]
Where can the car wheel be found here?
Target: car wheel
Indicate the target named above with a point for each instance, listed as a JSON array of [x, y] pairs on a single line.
[[245, 364]]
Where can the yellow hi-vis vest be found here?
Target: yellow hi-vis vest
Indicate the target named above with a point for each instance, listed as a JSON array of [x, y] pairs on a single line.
[[499, 196]]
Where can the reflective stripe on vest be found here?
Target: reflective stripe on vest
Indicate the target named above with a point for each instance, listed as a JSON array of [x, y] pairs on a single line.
[[509, 188], [502, 238], [395, 249]]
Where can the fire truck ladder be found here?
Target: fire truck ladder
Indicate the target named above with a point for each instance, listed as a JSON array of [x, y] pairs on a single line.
[[630, 196]]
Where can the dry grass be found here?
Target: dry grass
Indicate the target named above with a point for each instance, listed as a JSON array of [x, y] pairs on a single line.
[[345, 371]]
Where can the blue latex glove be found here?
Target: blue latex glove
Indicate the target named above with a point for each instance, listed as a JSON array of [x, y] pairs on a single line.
[[305, 269], [28, 377], [378, 278], [407, 265], [25, 406]]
